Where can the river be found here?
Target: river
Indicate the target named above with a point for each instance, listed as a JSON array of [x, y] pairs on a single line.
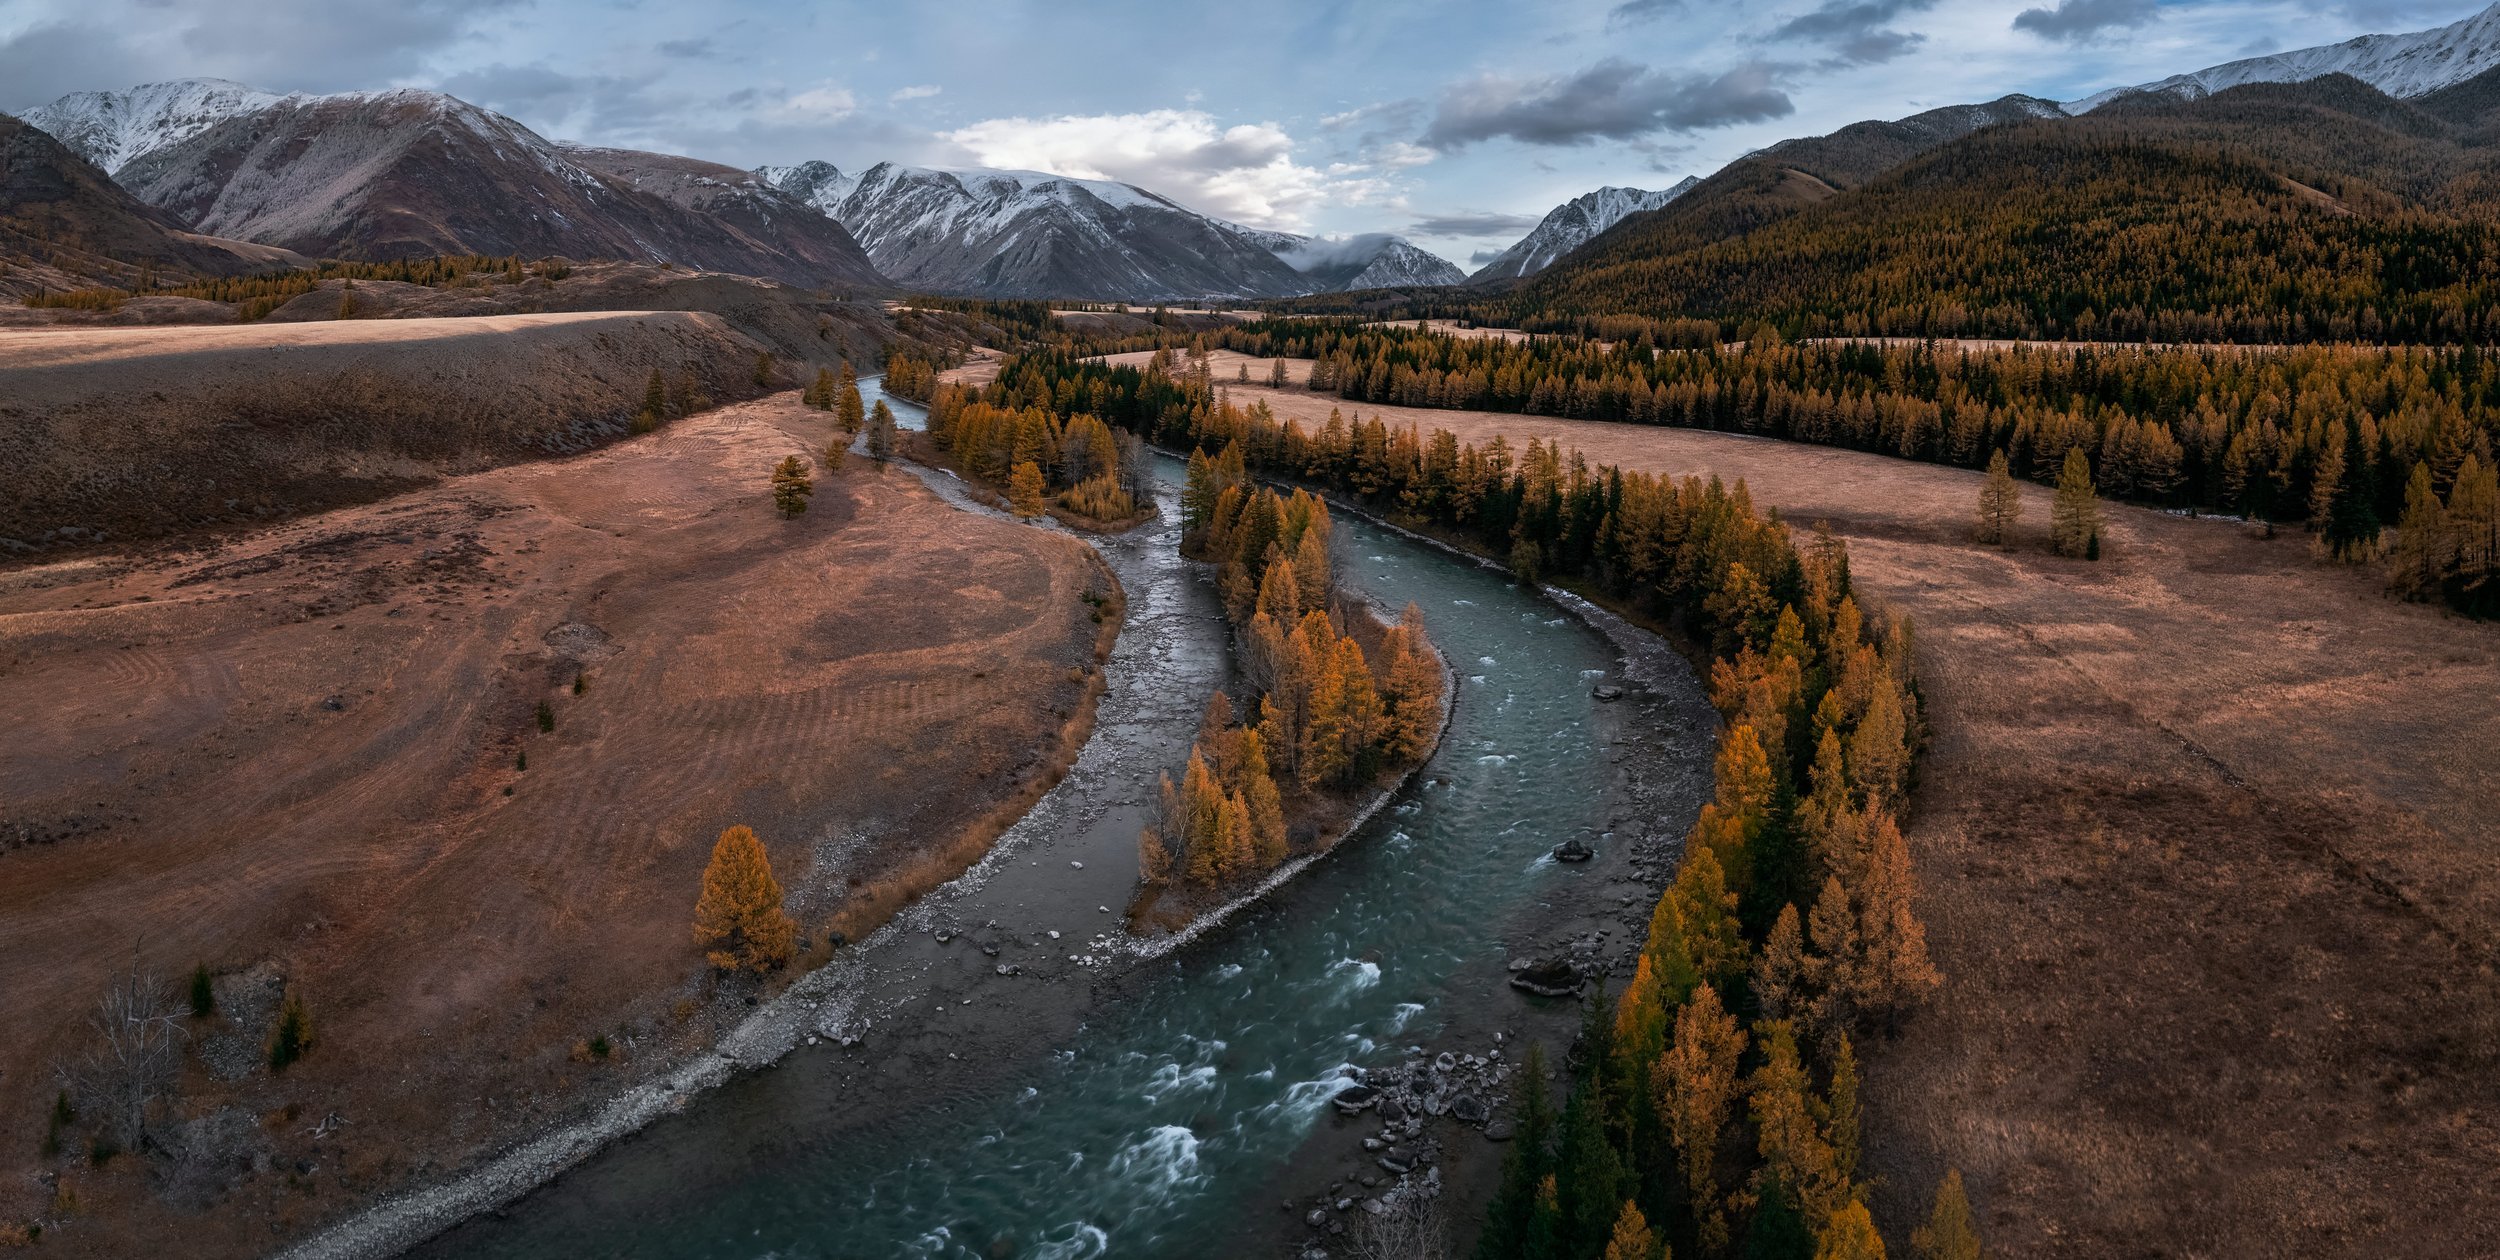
[[1097, 1103]]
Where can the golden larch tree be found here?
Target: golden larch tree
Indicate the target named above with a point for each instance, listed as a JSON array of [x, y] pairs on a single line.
[[1948, 1233], [739, 919], [1024, 490], [2000, 503], [2075, 519]]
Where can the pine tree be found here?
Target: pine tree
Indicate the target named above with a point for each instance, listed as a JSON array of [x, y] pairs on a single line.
[[294, 1036], [2075, 521], [1024, 490], [1948, 1233], [738, 919], [881, 432], [203, 993], [791, 486], [1527, 1167], [2000, 503], [835, 453], [655, 396], [820, 392]]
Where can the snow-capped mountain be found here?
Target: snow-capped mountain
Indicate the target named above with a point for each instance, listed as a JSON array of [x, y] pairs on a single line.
[[2408, 65], [1029, 234], [1572, 224], [1369, 261], [65, 224], [409, 174], [111, 128]]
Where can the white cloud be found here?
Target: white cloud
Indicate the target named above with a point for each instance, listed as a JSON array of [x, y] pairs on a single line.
[[1245, 172], [917, 91], [826, 103]]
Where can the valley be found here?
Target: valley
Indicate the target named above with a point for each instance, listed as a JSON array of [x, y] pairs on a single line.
[[1630, 631]]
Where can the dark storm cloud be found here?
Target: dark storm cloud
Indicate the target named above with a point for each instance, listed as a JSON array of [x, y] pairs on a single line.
[[2074, 20], [1466, 223], [281, 45], [1611, 100], [1483, 256], [1857, 33]]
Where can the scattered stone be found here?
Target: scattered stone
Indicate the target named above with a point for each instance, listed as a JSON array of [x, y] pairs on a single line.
[[1606, 693], [1574, 849], [1498, 1131], [1469, 1109], [1392, 1110], [1078, 865], [1356, 1100]]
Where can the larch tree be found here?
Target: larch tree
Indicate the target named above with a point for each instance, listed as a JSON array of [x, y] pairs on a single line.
[[846, 402], [1794, 1155], [881, 432], [2000, 503], [791, 486], [1949, 1233], [1695, 1086], [1897, 970], [1879, 753], [738, 919], [1840, 1110], [1779, 971], [1266, 806], [2075, 520], [2419, 563], [1024, 490], [1848, 1233], [1633, 1239]]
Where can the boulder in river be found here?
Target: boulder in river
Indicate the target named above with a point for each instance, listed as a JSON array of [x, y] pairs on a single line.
[[1606, 693], [1574, 849], [1551, 977], [1357, 1099]]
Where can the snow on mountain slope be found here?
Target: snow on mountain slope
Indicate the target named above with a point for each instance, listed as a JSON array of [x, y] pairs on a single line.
[[1030, 234], [109, 129], [408, 173], [1369, 261], [2407, 65], [1572, 224]]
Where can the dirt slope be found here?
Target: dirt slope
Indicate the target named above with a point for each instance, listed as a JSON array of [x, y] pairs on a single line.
[[290, 758], [2209, 844], [151, 430]]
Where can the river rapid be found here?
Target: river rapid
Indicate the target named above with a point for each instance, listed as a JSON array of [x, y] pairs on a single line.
[[1004, 1074]]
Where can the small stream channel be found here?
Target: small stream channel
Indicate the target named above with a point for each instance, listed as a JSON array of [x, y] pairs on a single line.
[[1015, 1094]]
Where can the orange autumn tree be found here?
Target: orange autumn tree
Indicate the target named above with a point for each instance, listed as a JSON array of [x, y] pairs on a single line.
[[738, 919]]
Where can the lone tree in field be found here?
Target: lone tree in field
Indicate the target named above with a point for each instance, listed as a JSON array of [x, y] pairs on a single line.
[[2075, 524], [739, 920], [1024, 490], [792, 485], [135, 1061], [2000, 503], [881, 432]]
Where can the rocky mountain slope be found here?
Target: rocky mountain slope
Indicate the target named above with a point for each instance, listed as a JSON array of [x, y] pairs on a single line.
[[2403, 66], [64, 224], [1369, 261], [1024, 234], [1572, 224], [380, 175], [111, 128]]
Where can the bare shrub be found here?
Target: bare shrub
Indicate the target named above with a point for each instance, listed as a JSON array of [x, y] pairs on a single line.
[[135, 1059], [1412, 1226]]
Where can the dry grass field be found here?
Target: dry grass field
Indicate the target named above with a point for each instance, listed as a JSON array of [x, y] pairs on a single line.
[[2209, 841], [294, 757]]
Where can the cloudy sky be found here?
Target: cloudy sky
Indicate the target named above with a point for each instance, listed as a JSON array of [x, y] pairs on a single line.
[[1456, 123]]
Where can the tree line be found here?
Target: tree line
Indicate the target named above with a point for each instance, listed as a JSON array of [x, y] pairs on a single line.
[[1035, 453], [2326, 436], [1713, 1105]]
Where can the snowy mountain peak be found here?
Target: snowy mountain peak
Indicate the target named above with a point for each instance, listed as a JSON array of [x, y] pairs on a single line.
[[1373, 260], [2407, 65], [1572, 224], [109, 129]]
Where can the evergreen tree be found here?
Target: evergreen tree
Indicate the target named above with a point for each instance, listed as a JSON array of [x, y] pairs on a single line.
[[1266, 806], [294, 1036], [2000, 503], [835, 452], [2075, 521], [791, 486], [1024, 491], [1527, 1167], [1896, 971], [1948, 1233], [655, 396], [738, 919], [203, 993], [2424, 548], [1840, 1126]]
